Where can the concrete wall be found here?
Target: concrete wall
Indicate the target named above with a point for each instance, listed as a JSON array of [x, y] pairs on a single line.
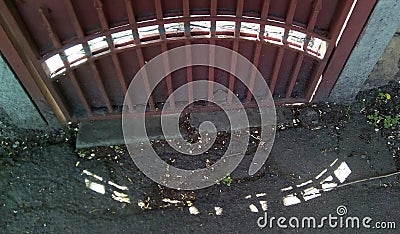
[[381, 27], [16, 103], [388, 66]]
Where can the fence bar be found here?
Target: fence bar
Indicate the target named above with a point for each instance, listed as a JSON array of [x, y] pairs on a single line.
[[57, 44], [114, 57]]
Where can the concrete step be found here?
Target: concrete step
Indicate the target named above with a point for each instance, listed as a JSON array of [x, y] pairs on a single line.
[[109, 132]]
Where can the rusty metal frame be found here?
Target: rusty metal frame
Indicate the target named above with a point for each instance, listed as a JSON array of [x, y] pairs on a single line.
[[327, 66]]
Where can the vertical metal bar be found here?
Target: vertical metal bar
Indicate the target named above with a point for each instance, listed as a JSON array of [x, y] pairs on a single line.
[[213, 34], [211, 70], [277, 67], [189, 70], [99, 84], [281, 50], [168, 77], [213, 13], [186, 17], [263, 17], [100, 13], [57, 44], [317, 6], [120, 75], [239, 13], [315, 77], [295, 74], [74, 19], [80, 34], [159, 15], [164, 48], [289, 20], [339, 18], [257, 52], [333, 34], [253, 73], [52, 34], [231, 86], [77, 27], [132, 21], [139, 52]]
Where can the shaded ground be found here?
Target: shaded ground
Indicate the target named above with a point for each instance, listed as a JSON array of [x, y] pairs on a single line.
[[47, 187]]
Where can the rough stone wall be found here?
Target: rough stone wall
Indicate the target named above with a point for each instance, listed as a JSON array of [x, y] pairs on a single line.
[[388, 66]]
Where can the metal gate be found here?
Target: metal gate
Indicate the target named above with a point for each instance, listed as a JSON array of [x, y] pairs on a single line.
[[83, 54]]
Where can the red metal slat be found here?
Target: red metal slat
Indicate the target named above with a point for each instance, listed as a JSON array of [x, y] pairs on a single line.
[[72, 16], [160, 19], [186, 17], [264, 17], [232, 70], [100, 86], [92, 65], [82, 98], [342, 52], [279, 58], [231, 86], [100, 14], [57, 44], [132, 21], [239, 12], [277, 67], [295, 74], [211, 70], [139, 53], [316, 75], [342, 10], [253, 73], [317, 6], [300, 56], [117, 66], [164, 48], [168, 77], [257, 53], [52, 34], [77, 26], [189, 70], [213, 14], [289, 19], [333, 34]]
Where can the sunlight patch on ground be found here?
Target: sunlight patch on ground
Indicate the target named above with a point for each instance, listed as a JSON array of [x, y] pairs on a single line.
[[104, 187], [98, 188], [340, 174]]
